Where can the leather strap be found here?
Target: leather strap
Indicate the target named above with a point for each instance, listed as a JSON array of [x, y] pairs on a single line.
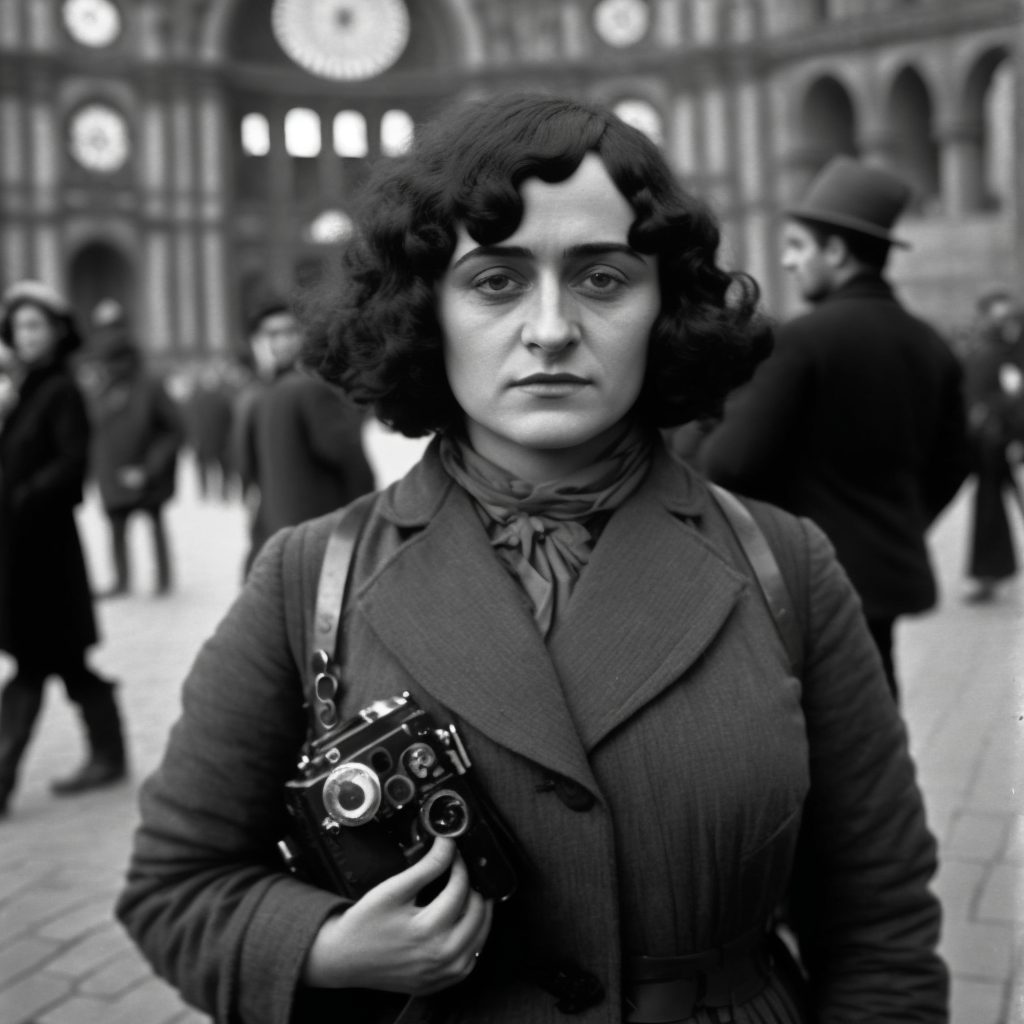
[[766, 571], [323, 670]]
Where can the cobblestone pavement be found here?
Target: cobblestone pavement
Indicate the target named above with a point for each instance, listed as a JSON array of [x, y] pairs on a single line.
[[63, 960]]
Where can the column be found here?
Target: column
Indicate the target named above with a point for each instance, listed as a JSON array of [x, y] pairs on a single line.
[[213, 165], [962, 166], [279, 241], [184, 210]]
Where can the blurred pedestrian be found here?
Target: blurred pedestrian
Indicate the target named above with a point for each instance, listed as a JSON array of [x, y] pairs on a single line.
[[46, 612], [207, 414], [138, 434], [305, 436], [857, 418], [995, 409]]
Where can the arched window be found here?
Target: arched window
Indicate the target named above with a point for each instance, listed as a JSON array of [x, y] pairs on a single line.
[[642, 115], [396, 131], [302, 132], [828, 122], [255, 135], [350, 134], [988, 133], [914, 149]]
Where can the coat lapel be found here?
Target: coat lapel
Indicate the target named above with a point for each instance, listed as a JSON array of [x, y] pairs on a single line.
[[649, 603], [453, 617]]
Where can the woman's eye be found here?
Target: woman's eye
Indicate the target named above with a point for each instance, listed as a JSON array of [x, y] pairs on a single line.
[[602, 281], [495, 284]]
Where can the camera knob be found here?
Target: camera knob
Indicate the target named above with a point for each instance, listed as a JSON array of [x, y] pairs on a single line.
[[330, 825]]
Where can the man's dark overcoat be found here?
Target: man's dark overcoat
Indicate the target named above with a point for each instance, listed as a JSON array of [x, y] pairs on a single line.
[[656, 759], [856, 421], [309, 451], [137, 424], [45, 602]]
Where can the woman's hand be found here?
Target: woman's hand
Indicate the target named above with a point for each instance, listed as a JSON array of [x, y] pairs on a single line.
[[384, 941]]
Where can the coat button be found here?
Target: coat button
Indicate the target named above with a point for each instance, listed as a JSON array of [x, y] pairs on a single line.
[[573, 795]]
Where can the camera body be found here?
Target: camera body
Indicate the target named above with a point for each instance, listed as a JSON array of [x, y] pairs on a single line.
[[372, 794]]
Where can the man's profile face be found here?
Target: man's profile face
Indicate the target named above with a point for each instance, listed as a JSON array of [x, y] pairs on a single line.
[[804, 257], [282, 336]]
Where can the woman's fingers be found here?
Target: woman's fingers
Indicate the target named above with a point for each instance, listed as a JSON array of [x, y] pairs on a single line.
[[406, 885], [450, 903]]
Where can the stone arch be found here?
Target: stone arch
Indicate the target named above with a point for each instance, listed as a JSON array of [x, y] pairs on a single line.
[[828, 122], [914, 151], [99, 270], [983, 133]]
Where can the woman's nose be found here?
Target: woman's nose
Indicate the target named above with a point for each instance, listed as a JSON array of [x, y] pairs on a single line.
[[551, 323]]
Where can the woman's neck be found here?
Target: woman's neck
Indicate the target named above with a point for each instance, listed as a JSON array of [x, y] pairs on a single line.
[[541, 465]]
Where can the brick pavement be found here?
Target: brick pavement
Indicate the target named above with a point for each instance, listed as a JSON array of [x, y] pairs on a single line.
[[64, 961]]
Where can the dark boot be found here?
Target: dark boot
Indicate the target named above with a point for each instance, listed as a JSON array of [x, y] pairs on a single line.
[[106, 763], [19, 708]]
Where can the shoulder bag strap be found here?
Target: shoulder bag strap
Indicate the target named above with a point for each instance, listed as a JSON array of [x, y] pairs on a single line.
[[322, 671], [766, 570]]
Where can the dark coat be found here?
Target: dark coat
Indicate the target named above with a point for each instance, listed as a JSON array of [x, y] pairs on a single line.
[[308, 451], [856, 421], [45, 603], [665, 694], [207, 415], [137, 424]]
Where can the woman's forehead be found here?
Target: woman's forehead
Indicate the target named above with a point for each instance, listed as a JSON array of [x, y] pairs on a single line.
[[585, 208]]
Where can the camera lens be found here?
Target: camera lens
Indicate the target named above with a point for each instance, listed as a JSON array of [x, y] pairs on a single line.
[[399, 790], [352, 794], [445, 814], [418, 760]]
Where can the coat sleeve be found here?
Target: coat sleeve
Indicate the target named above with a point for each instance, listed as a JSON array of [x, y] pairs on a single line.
[[207, 899], [168, 433], [748, 451], [867, 923], [58, 481], [333, 425]]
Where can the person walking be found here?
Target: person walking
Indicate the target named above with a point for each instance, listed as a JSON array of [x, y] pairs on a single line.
[[306, 438], [857, 419], [138, 434], [207, 413], [46, 612], [995, 401]]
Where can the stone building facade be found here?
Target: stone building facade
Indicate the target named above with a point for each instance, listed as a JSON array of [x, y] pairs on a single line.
[[178, 156]]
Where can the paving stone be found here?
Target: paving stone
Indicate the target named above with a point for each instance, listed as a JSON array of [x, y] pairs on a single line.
[[92, 952], [77, 922], [981, 952], [958, 885], [22, 955], [153, 1002], [977, 836], [1002, 896], [77, 1010], [976, 1002], [30, 909], [22, 1001], [117, 976]]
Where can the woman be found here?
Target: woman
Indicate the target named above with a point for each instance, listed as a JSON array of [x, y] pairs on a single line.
[[46, 615], [532, 285]]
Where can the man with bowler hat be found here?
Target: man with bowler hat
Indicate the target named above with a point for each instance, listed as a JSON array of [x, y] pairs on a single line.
[[857, 418]]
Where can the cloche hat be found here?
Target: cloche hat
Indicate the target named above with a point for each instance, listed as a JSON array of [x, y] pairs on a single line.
[[848, 194], [39, 294]]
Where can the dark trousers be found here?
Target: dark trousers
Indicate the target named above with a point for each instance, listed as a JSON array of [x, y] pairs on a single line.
[[992, 554], [881, 633], [22, 698], [119, 542]]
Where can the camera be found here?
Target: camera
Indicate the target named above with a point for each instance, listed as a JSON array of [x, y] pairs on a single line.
[[373, 793]]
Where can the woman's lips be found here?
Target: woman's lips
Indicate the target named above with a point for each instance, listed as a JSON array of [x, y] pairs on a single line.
[[551, 385]]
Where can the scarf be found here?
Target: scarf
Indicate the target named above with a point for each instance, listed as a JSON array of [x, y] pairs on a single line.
[[540, 531]]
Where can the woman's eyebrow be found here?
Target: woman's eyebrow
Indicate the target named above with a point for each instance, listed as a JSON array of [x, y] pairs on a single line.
[[571, 252]]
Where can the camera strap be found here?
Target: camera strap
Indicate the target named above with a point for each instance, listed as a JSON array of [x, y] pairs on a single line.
[[322, 675], [766, 571]]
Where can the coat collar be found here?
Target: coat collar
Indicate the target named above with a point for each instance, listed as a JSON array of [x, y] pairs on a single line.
[[650, 602], [864, 286]]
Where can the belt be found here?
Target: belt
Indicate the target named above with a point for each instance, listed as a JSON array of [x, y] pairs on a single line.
[[666, 989]]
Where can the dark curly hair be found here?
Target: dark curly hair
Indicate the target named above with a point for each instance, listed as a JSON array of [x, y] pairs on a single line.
[[372, 325]]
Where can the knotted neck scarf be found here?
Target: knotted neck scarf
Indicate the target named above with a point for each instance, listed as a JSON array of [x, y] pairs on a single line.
[[541, 531]]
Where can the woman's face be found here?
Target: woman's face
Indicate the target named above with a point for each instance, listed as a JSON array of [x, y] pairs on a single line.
[[546, 333], [34, 334]]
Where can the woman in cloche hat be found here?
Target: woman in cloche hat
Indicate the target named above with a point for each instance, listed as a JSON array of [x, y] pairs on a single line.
[[46, 613]]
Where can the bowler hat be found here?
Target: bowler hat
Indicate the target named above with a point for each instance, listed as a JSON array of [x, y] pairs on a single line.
[[848, 194]]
